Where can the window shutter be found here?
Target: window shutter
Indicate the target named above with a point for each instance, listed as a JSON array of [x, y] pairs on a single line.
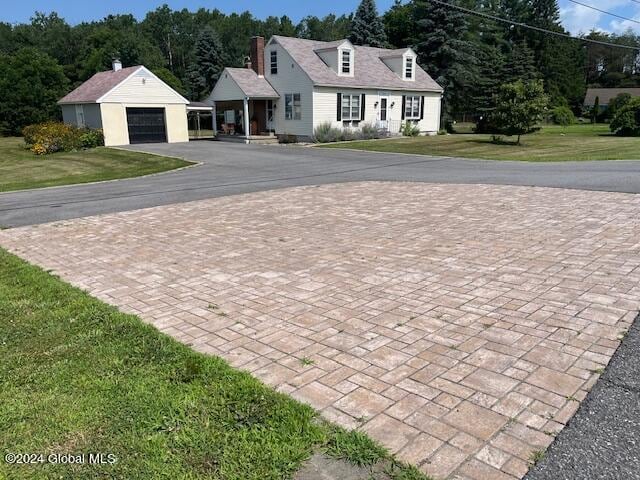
[[421, 108], [339, 116], [362, 104], [404, 103]]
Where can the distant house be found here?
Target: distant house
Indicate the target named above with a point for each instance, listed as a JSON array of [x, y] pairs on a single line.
[[605, 95], [293, 85], [131, 105]]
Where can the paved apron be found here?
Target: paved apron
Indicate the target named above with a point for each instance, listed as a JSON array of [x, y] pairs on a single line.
[[460, 325]]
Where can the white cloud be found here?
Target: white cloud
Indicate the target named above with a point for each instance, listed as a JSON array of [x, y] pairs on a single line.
[[579, 19]]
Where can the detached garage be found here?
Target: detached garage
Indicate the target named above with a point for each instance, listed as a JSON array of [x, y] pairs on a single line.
[[130, 105]]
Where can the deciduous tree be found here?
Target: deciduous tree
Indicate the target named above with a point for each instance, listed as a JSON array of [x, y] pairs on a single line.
[[519, 108]]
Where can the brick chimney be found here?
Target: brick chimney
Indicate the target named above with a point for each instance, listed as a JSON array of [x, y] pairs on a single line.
[[257, 55]]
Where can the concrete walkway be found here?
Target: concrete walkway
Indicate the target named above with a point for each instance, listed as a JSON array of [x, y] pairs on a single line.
[[460, 325], [230, 169]]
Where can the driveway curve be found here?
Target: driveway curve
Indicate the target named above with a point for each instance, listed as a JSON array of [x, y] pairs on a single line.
[[229, 169]]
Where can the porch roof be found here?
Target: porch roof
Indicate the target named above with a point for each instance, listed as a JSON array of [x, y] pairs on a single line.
[[199, 106], [249, 83]]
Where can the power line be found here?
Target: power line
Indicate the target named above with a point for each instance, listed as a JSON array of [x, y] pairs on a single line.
[[532, 27], [605, 12]]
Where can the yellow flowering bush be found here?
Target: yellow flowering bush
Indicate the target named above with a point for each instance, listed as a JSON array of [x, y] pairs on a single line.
[[51, 137]]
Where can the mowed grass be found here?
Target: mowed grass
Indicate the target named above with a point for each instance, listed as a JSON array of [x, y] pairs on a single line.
[[22, 169], [550, 144], [77, 376]]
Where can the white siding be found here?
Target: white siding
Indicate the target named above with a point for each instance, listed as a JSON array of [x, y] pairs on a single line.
[[326, 105], [290, 79], [226, 89], [143, 87]]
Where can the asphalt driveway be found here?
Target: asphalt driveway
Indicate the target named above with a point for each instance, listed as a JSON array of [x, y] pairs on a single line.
[[228, 168]]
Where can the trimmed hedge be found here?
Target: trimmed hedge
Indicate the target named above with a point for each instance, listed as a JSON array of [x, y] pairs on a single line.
[[51, 137]]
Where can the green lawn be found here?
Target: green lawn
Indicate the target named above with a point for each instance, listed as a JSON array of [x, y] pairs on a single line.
[[551, 144], [77, 376], [21, 169]]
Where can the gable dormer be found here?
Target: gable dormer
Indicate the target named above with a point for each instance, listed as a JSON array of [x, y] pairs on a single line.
[[402, 62], [339, 56]]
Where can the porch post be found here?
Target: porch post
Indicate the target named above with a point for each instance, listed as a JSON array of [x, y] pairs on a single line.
[[247, 132], [214, 120]]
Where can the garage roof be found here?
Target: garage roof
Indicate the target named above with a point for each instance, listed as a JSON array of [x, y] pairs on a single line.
[[98, 85]]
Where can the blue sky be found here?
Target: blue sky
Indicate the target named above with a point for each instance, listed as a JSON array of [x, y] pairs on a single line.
[[575, 17]]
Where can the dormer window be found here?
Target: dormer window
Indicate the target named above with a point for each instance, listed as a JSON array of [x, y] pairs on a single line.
[[408, 68], [346, 62]]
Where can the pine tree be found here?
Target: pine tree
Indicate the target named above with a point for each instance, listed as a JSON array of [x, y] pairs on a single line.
[[445, 52], [367, 27], [398, 24], [520, 64], [210, 60], [558, 60]]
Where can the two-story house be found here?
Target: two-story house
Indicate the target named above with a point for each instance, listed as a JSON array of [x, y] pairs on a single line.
[[293, 85]]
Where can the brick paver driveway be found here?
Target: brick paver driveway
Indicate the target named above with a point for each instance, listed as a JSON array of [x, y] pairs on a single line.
[[459, 325]]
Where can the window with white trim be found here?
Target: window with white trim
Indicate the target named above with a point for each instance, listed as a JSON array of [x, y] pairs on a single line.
[[412, 107], [408, 68], [350, 107], [292, 106], [346, 61], [274, 62]]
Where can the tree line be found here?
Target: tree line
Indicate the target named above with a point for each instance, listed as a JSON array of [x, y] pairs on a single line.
[[468, 55]]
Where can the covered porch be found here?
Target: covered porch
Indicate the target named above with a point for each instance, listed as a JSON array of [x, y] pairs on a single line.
[[244, 105], [249, 120], [200, 120]]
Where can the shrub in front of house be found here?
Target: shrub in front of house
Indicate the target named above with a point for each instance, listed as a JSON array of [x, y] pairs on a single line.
[[52, 137], [410, 129], [325, 133], [563, 116], [368, 132], [626, 121]]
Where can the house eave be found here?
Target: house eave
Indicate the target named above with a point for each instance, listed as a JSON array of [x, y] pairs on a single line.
[[408, 88]]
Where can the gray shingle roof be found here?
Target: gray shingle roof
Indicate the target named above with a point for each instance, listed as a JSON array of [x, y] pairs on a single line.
[[251, 84], [370, 71], [94, 88], [605, 95]]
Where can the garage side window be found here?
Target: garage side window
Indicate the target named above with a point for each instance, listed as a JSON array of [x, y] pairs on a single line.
[[292, 106], [80, 116]]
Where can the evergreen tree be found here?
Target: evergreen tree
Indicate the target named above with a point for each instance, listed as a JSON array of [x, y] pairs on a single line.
[[398, 24], [445, 52], [520, 64], [559, 61], [209, 63], [367, 27]]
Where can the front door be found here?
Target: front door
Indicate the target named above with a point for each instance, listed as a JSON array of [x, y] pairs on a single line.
[[270, 125], [383, 112]]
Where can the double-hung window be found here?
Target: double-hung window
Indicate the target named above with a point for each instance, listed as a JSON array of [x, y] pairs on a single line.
[[408, 68], [292, 106], [412, 107], [346, 61], [274, 62], [350, 107]]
